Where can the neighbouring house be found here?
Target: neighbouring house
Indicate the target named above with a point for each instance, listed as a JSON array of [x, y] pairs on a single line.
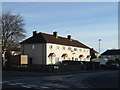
[[11, 55], [94, 54], [14, 57], [95, 57], [108, 56], [13, 51], [43, 48], [111, 54]]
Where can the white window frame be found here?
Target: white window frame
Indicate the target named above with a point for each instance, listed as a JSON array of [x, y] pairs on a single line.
[[50, 46], [75, 49], [33, 46], [57, 47], [63, 48]]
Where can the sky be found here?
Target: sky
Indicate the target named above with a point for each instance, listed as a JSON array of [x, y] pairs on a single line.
[[86, 22]]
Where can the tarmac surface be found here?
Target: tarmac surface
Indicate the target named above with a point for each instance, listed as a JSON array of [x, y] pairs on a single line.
[[78, 80]]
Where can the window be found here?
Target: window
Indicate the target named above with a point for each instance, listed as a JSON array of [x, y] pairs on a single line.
[[69, 48], [109, 56], [84, 50], [50, 46], [57, 47], [80, 50], [33, 46], [87, 50], [75, 49], [63, 48]]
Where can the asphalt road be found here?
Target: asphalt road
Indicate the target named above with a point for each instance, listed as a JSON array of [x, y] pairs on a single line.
[[96, 79]]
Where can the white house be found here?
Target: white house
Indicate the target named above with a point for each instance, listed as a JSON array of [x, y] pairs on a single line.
[[44, 48]]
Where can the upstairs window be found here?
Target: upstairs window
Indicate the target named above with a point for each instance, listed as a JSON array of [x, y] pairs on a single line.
[[80, 50], [84, 50], [75, 49], [63, 48], [50, 46], [69, 48], [33, 46], [57, 47]]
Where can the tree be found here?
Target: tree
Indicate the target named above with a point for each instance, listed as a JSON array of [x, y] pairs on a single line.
[[12, 31]]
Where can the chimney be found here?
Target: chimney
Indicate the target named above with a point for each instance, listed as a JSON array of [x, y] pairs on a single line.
[[55, 34], [34, 33], [69, 37]]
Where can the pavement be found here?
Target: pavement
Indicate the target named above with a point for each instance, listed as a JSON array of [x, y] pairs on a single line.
[[66, 80], [24, 73]]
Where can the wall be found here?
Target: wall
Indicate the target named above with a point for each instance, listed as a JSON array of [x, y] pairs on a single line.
[[39, 53], [36, 52], [59, 52]]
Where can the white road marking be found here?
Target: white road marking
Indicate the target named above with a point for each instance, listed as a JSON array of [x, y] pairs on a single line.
[[12, 80], [12, 84], [18, 83], [26, 86], [33, 85], [44, 87], [5, 81]]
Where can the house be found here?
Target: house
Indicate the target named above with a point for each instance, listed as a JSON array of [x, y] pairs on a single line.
[[95, 57], [111, 54], [43, 48], [13, 57], [13, 51], [93, 53]]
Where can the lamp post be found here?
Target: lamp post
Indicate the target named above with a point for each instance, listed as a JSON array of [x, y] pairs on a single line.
[[99, 45]]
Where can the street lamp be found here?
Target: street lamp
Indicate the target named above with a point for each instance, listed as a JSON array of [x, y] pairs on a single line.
[[99, 45]]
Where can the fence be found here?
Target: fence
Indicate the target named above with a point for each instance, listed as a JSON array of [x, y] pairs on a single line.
[[54, 68]]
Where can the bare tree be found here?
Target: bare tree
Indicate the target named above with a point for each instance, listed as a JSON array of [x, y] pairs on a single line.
[[12, 30]]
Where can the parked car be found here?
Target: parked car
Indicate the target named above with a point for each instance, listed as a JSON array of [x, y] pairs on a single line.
[[113, 66]]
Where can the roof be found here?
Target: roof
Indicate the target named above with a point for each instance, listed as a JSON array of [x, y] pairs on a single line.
[[94, 50], [48, 38], [14, 49], [112, 52]]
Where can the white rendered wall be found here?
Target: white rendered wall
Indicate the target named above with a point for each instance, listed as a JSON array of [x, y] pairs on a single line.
[[59, 52]]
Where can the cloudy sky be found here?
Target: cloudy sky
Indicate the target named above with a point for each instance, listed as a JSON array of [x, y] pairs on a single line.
[[85, 21]]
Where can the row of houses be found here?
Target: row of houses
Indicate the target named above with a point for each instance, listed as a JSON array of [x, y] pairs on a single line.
[[45, 48], [42, 48]]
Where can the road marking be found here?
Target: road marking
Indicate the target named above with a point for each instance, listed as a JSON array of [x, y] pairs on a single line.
[[12, 80], [45, 87], [33, 85], [26, 86], [5, 81], [18, 83], [12, 84]]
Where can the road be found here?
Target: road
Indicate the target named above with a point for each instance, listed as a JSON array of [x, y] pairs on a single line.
[[96, 79]]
